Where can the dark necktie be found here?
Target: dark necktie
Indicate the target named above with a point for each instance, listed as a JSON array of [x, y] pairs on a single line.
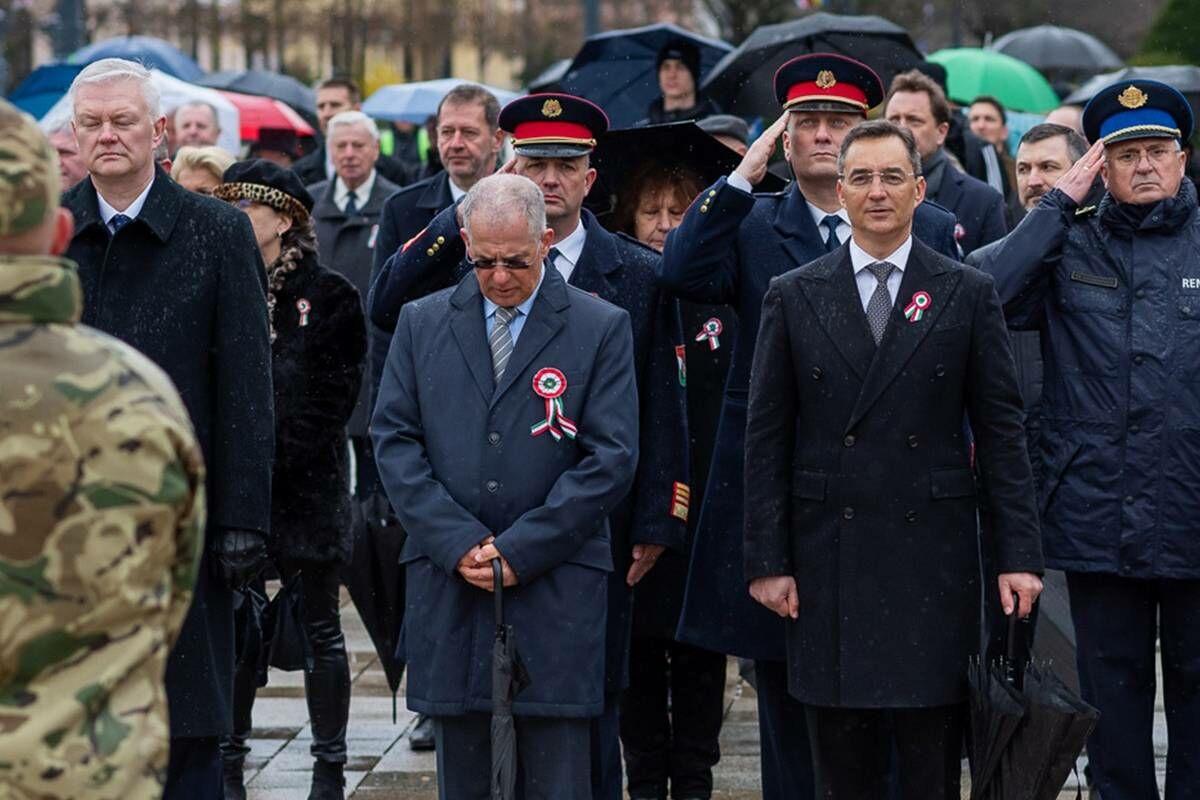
[[832, 222], [119, 221], [351, 205], [501, 341], [552, 257], [879, 307]]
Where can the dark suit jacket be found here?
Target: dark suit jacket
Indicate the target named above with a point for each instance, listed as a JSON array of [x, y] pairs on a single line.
[[347, 246], [460, 462], [979, 208], [311, 168], [728, 247], [184, 283], [859, 482]]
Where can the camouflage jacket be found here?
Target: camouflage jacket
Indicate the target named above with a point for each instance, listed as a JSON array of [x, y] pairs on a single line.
[[101, 524]]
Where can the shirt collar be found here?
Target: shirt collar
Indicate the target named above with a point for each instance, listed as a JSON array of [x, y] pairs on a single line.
[[456, 193], [819, 214], [860, 259], [489, 308], [571, 248], [341, 191], [107, 212]]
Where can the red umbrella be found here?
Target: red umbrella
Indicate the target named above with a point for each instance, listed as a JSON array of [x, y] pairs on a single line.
[[258, 112]]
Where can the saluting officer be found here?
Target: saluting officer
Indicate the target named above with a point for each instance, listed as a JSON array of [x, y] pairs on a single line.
[[1115, 290], [553, 136], [729, 245]]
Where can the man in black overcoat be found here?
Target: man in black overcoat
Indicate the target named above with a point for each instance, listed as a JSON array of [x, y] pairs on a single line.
[[861, 500], [178, 275], [553, 135]]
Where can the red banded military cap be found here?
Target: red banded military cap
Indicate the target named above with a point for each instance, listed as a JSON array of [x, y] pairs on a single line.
[[553, 125], [827, 82]]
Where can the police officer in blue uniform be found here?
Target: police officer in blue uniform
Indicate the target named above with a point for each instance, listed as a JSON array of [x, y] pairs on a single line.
[[1115, 291], [553, 136], [729, 246]]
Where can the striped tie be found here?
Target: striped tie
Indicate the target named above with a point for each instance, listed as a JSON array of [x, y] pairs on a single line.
[[501, 341]]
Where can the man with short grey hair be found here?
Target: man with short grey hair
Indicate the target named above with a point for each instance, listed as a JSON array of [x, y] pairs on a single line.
[[178, 275], [535, 396], [196, 125]]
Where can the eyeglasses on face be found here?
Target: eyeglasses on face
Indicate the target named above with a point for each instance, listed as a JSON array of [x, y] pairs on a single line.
[[890, 178], [1158, 154], [493, 263]]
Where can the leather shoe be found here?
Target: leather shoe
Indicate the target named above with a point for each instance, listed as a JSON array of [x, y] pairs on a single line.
[[421, 738]]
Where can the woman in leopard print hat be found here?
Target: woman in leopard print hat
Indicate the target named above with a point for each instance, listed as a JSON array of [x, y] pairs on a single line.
[[318, 347]]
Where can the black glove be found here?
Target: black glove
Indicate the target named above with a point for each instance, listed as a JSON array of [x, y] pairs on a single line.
[[238, 555]]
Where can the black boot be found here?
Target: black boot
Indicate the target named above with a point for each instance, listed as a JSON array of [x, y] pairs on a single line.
[[233, 776], [421, 738], [328, 782]]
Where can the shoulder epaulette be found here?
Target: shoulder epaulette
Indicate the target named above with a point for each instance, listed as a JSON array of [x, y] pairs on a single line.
[[1086, 211]]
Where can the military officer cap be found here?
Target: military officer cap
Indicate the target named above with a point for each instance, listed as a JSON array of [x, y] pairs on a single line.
[[28, 172], [827, 82], [553, 125], [1137, 109]]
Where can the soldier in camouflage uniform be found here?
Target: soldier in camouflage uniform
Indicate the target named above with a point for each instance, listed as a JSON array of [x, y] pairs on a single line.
[[101, 515]]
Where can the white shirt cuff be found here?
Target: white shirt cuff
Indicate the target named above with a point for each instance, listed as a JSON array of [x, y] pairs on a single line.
[[738, 182]]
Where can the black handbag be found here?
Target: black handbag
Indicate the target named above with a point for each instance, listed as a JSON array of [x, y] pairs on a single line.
[[283, 622]]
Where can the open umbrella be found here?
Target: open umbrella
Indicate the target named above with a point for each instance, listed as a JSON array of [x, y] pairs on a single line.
[[508, 679], [973, 71], [417, 102], [149, 51], [618, 70], [263, 82], [43, 87], [1184, 77], [258, 112], [1052, 48], [550, 79], [743, 82]]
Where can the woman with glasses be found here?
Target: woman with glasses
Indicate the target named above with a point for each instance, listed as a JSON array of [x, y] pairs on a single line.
[[318, 346]]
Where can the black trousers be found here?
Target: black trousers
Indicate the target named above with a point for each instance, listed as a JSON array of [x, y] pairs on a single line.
[[787, 766], [1117, 622], [326, 685], [853, 750], [194, 769], [671, 719], [553, 757]]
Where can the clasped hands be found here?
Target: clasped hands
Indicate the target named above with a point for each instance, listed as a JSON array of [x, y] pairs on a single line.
[[476, 566]]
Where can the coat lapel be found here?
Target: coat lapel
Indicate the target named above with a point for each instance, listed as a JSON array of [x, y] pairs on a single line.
[[471, 334], [902, 337], [833, 295], [543, 324], [798, 234], [325, 207], [598, 261], [437, 194]]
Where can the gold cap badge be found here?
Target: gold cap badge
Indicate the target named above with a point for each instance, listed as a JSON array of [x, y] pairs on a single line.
[[825, 79], [551, 108], [1132, 97]]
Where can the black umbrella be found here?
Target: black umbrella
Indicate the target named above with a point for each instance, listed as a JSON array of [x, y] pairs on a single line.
[[375, 581], [1184, 77], [743, 82], [267, 84], [549, 79], [508, 679], [620, 153], [617, 70], [1051, 48]]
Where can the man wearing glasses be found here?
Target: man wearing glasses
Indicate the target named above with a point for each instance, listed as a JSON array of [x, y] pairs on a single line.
[[861, 499], [1115, 291]]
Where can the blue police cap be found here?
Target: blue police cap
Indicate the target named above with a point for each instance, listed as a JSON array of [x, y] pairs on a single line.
[[1137, 109]]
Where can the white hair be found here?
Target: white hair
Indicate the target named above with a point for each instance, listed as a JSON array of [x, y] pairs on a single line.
[[500, 198], [108, 70], [345, 119], [212, 110]]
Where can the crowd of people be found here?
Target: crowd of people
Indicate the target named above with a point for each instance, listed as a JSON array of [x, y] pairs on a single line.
[[684, 421]]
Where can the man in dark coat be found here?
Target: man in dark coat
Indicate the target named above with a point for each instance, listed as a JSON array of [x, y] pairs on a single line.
[[178, 275], [346, 216], [860, 494], [917, 102], [1115, 291], [729, 245], [334, 96], [550, 149], [472, 481], [679, 79]]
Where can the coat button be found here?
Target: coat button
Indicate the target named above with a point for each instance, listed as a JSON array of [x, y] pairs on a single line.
[[816, 373], [441, 240], [1138, 360], [494, 438], [1128, 499], [1140, 293], [849, 441], [913, 441], [910, 516], [1134, 428], [939, 370], [492, 486], [429, 252], [847, 513]]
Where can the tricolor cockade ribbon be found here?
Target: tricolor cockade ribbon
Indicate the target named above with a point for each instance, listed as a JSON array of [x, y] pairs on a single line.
[[710, 331], [303, 306], [916, 308], [549, 384]]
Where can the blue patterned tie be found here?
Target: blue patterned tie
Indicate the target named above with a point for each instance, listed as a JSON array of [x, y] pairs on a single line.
[[501, 341], [831, 241], [879, 307], [119, 221]]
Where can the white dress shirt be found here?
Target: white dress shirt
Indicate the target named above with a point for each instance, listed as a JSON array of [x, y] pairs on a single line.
[[860, 260], [569, 251], [107, 212], [341, 193], [456, 193], [843, 228]]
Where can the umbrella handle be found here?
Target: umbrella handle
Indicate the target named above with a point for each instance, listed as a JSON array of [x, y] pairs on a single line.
[[498, 589]]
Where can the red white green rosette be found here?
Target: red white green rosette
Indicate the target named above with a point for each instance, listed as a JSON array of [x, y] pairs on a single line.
[[550, 384], [916, 307], [710, 331]]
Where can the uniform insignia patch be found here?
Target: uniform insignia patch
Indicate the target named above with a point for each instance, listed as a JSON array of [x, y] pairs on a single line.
[[826, 79], [1132, 97], [681, 498], [551, 109]]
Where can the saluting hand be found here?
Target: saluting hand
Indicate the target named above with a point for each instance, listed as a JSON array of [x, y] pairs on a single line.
[[645, 556], [754, 164], [1077, 181], [509, 167], [485, 556], [777, 593]]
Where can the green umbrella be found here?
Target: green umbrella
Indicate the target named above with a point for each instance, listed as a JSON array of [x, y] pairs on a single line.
[[972, 72]]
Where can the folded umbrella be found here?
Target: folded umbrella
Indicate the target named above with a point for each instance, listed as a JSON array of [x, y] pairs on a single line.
[[508, 679]]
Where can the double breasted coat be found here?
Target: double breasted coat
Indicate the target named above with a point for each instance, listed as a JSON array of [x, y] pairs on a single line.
[[460, 461], [728, 247], [184, 284], [620, 270], [859, 480]]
